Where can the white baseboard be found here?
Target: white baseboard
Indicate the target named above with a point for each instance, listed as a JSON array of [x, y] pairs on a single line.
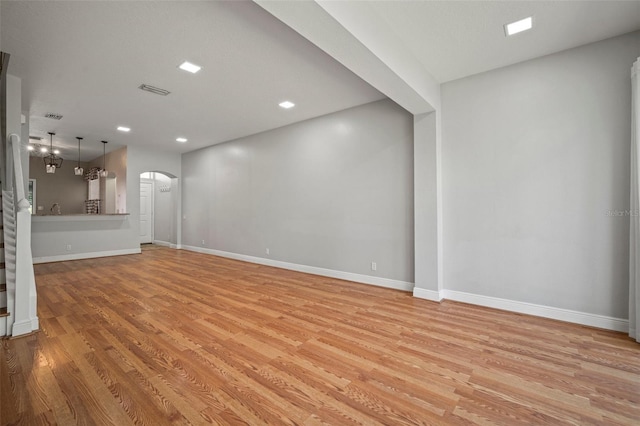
[[22, 327], [35, 323], [348, 276], [166, 244], [422, 293], [583, 318], [90, 255]]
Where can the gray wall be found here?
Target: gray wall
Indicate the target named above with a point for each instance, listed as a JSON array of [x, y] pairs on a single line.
[[534, 155], [62, 187], [164, 208], [116, 164], [333, 192]]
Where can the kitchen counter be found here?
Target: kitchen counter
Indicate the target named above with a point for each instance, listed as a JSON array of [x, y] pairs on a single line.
[[81, 236], [77, 217]]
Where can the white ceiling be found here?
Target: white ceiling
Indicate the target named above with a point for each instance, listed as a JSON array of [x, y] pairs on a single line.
[[85, 60], [455, 39]]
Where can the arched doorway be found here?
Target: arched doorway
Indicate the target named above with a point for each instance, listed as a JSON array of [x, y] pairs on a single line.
[[159, 200]]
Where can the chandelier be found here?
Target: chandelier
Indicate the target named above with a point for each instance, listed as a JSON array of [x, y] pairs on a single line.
[[78, 171], [52, 161], [103, 171]]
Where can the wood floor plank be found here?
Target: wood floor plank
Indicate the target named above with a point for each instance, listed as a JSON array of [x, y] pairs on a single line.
[[174, 337]]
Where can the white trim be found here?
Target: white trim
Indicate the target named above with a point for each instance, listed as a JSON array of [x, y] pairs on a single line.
[[348, 276], [583, 318], [22, 327], [421, 293], [91, 255], [3, 326]]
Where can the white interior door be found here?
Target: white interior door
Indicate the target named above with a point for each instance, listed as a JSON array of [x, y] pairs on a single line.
[[146, 212]]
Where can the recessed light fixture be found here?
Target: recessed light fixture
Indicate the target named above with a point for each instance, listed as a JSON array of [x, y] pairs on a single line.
[[56, 151], [43, 149], [124, 129], [287, 104], [30, 148], [181, 140], [188, 66], [519, 26]]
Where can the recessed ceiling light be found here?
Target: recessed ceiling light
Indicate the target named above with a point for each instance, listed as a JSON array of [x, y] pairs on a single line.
[[43, 149], [181, 140], [287, 104], [30, 148], [188, 66], [124, 129], [519, 26], [56, 151]]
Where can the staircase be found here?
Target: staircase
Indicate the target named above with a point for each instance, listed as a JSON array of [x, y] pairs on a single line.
[[18, 298], [18, 294], [3, 286], [8, 264]]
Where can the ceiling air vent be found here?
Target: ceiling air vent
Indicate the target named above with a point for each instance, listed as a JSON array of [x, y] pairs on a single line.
[[153, 89], [53, 116]]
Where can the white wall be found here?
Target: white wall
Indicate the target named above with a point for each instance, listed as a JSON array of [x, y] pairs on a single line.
[[534, 156], [13, 124], [334, 192]]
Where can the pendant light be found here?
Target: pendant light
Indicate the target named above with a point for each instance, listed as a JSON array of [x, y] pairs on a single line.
[[52, 161], [104, 172], [78, 171]]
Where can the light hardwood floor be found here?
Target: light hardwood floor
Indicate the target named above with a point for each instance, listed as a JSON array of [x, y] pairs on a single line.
[[174, 337]]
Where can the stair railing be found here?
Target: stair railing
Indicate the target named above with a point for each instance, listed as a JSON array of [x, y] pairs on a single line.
[[21, 283]]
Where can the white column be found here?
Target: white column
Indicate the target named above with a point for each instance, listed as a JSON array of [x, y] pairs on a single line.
[[427, 207]]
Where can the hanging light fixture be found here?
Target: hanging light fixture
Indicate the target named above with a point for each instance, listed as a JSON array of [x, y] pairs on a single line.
[[104, 172], [52, 161], [78, 171]]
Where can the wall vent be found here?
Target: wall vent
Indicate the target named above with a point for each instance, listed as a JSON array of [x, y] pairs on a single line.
[[153, 89], [53, 116]]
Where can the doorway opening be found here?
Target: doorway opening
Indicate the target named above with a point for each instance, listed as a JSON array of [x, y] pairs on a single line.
[[159, 199]]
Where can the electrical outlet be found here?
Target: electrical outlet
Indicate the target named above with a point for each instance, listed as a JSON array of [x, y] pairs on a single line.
[[267, 251], [202, 242], [374, 266], [68, 247]]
